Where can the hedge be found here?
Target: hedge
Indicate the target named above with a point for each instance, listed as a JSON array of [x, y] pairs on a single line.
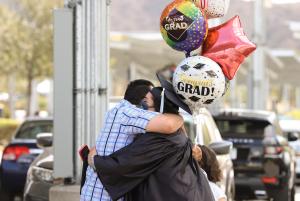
[[7, 129]]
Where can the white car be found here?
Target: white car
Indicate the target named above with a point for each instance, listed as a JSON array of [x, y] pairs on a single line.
[[203, 130]]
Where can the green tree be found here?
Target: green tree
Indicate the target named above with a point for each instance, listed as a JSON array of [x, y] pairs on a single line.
[[27, 46], [10, 39], [11, 44]]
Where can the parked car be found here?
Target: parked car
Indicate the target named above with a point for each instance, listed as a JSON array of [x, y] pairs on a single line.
[[205, 132], [264, 163], [40, 174], [291, 128], [19, 154]]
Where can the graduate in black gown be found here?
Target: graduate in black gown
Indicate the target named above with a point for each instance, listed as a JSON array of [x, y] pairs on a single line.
[[155, 167]]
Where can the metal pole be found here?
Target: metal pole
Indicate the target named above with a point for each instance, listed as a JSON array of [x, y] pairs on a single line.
[[50, 99], [66, 2], [79, 83], [233, 94], [297, 97], [257, 85], [132, 71], [286, 96], [11, 91], [92, 59], [33, 103], [63, 94], [102, 60]]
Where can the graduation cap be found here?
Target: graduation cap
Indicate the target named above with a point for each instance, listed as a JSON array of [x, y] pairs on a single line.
[[170, 93]]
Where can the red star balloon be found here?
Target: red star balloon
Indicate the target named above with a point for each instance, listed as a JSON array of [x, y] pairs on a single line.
[[228, 45]]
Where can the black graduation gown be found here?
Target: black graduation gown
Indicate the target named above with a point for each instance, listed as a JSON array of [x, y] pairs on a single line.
[[155, 167]]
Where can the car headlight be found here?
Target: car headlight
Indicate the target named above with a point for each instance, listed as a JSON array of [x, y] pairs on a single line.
[[42, 174]]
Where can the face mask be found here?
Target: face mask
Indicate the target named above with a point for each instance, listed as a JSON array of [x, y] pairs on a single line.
[[143, 105]]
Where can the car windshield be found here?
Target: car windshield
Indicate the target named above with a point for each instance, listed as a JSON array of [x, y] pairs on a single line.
[[190, 129], [29, 130], [242, 128]]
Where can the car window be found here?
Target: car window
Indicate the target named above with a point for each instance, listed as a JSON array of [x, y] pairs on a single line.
[[213, 129], [190, 128], [207, 138], [278, 129], [242, 128], [29, 130], [295, 145], [282, 140]]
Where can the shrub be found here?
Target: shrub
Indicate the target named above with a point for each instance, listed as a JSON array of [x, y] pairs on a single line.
[[7, 129], [295, 114]]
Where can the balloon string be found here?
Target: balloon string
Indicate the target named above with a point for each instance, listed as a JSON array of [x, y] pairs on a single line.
[[187, 54], [203, 4], [162, 101]]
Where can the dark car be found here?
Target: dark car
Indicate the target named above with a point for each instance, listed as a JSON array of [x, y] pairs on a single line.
[[264, 164], [19, 154], [292, 128], [205, 132]]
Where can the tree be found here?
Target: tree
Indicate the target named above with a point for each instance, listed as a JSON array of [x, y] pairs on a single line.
[[11, 44], [10, 40], [37, 19], [27, 39]]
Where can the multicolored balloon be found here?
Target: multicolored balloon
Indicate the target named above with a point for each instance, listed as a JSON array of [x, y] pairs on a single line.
[[199, 81], [183, 26], [228, 45], [213, 8]]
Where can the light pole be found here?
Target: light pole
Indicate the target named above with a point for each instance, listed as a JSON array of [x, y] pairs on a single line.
[[258, 81]]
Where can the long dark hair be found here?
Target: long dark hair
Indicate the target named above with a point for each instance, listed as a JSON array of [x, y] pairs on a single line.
[[210, 164], [169, 107]]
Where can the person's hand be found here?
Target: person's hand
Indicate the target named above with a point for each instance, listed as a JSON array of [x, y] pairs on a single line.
[[197, 153], [91, 155]]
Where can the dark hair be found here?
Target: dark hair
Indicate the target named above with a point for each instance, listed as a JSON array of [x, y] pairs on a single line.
[[137, 90], [210, 164], [140, 82], [136, 93], [169, 107]]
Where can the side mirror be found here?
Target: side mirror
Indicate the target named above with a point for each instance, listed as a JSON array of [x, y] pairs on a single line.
[[222, 147], [293, 136], [44, 140]]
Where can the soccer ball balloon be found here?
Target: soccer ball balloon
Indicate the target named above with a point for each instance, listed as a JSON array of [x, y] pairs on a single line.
[[213, 8], [199, 81]]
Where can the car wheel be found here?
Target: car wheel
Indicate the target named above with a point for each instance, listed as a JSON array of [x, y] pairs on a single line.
[[231, 193], [283, 194], [293, 193], [5, 196]]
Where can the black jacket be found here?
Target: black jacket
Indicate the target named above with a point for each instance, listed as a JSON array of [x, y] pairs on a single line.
[[155, 167]]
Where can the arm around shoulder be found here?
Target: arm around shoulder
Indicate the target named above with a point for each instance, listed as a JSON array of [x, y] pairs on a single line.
[[165, 123]]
